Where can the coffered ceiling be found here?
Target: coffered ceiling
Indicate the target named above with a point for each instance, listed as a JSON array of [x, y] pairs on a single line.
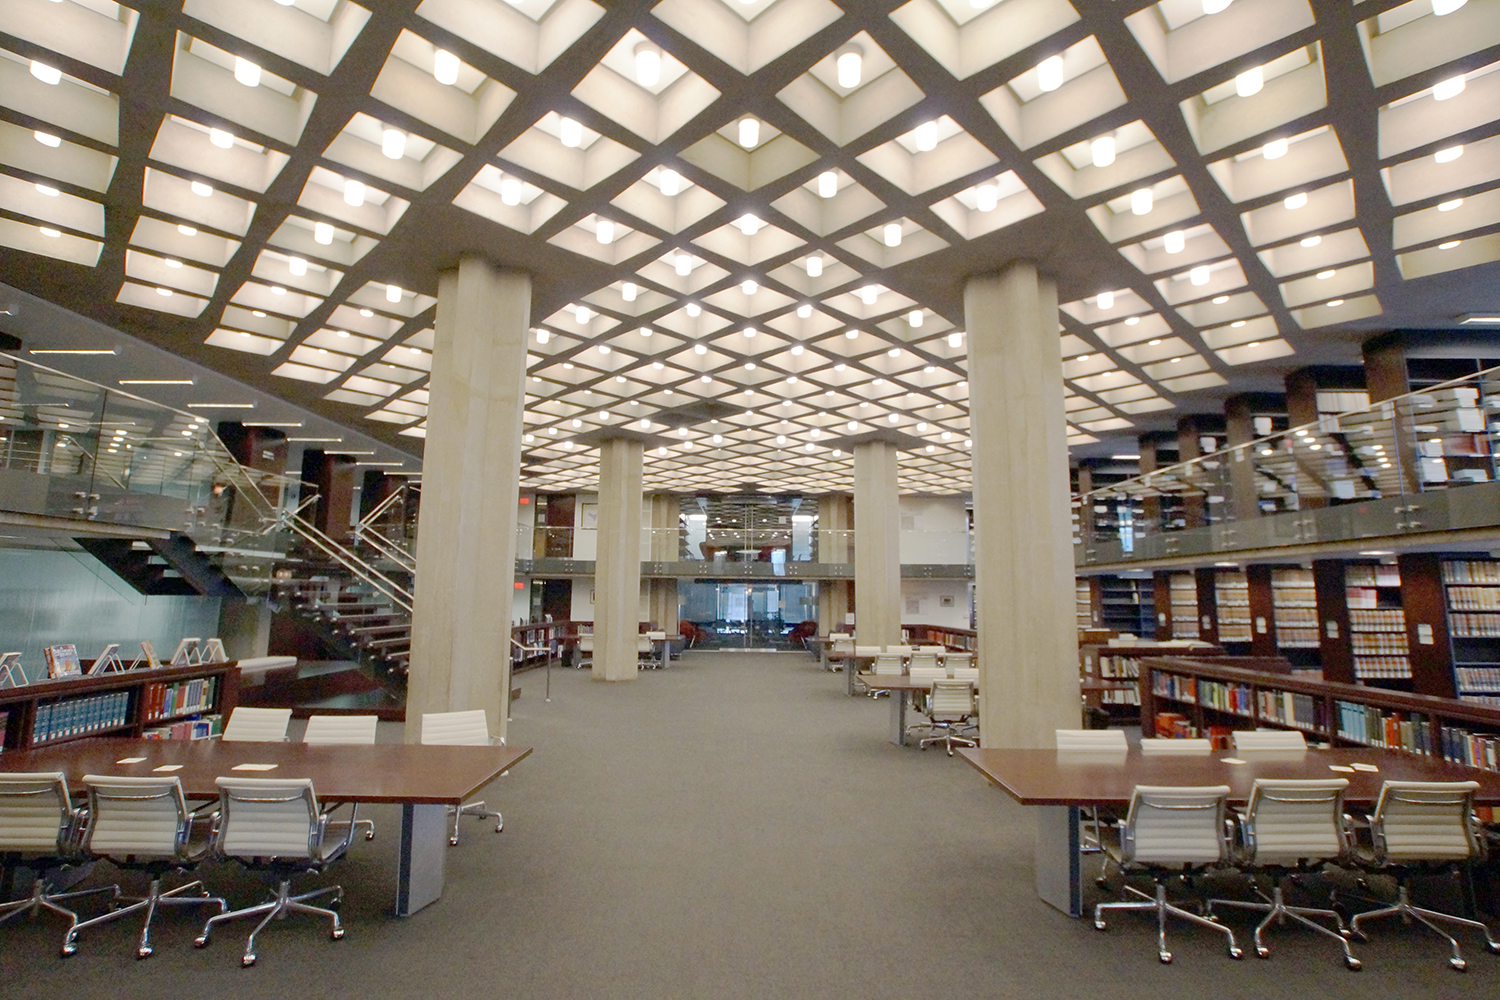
[[748, 224]]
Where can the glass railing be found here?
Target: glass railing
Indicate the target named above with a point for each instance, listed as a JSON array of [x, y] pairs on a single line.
[[1397, 466], [722, 546]]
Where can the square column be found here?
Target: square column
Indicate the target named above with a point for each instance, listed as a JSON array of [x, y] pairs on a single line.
[[835, 521], [617, 571], [460, 642], [877, 545], [1023, 534], [664, 546]]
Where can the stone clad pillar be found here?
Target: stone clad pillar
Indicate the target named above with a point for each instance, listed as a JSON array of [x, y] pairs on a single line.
[[664, 546], [460, 648], [835, 522], [617, 571], [1023, 548], [877, 545]]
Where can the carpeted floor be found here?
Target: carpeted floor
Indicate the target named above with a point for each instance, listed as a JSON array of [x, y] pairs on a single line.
[[731, 827]]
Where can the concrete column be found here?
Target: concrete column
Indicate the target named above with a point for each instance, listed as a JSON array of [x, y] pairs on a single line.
[[835, 522], [466, 563], [617, 571], [877, 545], [1023, 563], [661, 600], [1239, 426]]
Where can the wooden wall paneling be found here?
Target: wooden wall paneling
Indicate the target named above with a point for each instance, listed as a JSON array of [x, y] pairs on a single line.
[[1335, 650], [1422, 600], [1262, 611], [1208, 605]]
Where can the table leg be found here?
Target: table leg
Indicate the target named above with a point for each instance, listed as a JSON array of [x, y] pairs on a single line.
[[898, 718], [822, 656], [1059, 879], [421, 857]]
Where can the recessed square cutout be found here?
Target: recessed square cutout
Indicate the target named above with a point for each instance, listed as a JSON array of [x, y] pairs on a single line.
[[935, 152], [365, 145], [966, 40], [316, 35], [653, 110], [1107, 161], [603, 239], [879, 92], [1291, 87], [330, 194], [990, 205], [648, 199], [1170, 202], [1181, 41], [530, 34], [772, 157], [186, 144], [464, 109], [748, 240], [1031, 115], [1305, 158], [845, 203], [508, 200], [567, 151], [746, 36], [203, 75]]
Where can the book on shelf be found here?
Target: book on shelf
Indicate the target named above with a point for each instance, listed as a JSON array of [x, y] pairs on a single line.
[[187, 729], [1371, 725], [81, 716], [62, 661], [1464, 571]]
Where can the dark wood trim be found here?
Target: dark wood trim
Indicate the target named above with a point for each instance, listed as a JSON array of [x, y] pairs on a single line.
[[1335, 647], [1426, 613], [1262, 610], [1208, 604]]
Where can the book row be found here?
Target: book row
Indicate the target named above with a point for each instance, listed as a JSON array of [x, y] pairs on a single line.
[[1474, 598], [1381, 667], [1368, 724], [187, 729], [92, 713], [1393, 619], [179, 697], [1478, 678], [1456, 571]]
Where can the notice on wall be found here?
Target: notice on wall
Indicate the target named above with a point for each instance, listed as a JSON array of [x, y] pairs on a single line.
[[1331, 629], [1424, 635], [1260, 625]]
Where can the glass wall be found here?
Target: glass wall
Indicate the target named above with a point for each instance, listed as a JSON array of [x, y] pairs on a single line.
[[748, 615]]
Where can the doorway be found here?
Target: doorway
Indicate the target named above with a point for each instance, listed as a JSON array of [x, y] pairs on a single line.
[[744, 615]]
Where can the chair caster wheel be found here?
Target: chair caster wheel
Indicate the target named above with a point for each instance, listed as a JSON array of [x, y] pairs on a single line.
[[1353, 964], [1459, 965], [370, 835], [144, 952], [69, 949], [247, 961], [1098, 925], [452, 841], [1165, 956], [337, 934], [1494, 947], [1262, 952], [1236, 953], [499, 827], [200, 942]]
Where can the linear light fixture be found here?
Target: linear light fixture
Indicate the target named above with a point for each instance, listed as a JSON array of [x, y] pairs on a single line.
[[1467, 319], [385, 464], [337, 440], [155, 381], [271, 423], [329, 451], [221, 406], [74, 350]]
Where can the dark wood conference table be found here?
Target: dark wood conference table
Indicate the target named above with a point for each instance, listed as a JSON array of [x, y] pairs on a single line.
[[423, 780], [1058, 783]]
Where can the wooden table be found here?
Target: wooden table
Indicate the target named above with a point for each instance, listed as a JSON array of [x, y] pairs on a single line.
[[1059, 782], [423, 780]]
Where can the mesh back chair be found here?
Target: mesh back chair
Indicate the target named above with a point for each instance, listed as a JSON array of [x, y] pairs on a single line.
[[1160, 747], [39, 830], [1171, 831], [950, 713], [335, 730], [1292, 826], [1424, 826], [1269, 739], [144, 824], [275, 826], [469, 729], [256, 725]]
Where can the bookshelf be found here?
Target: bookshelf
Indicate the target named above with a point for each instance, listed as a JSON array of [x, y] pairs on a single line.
[[1088, 614], [133, 703], [1377, 622], [1232, 601], [1126, 604], [1471, 589], [1214, 697], [1183, 588], [1109, 673]]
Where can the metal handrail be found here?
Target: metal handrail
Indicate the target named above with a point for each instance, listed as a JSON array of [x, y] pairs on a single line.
[[531, 649], [387, 548], [398, 595], [1148, 482]]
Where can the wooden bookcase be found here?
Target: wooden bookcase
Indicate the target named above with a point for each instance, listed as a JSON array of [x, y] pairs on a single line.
[[1108, 675], [124, 697], [1217, 694]]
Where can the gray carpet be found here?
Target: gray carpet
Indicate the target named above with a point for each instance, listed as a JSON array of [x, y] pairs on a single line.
[[731, 827]]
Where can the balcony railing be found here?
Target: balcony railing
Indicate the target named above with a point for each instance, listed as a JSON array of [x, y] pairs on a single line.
[[1413, 464]]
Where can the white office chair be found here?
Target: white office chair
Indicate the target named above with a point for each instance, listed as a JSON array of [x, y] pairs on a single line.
[[1269, 739], [1291, 826], [274, 825], [583, 652], [142, 823], [661, 652], [1092, 740], [954, 662], [950, 713], [1170, 831], [257, 725], [645, 652], [1421, 826], [888, 663], [340, 729], [928, 674], [841, 642], [467, 729], [1159, 747], [39, 830], [334, 730], [923, 658]]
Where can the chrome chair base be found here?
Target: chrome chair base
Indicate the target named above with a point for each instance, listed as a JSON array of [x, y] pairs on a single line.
[[284, 903], [1277, 911], [1164, 909], [477, 810], [949, 738], [151, 902], [40, 899], [1403, 907]]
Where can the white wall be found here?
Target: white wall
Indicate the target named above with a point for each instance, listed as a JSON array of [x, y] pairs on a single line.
[[586, 539], [933, 530], [922, 604]]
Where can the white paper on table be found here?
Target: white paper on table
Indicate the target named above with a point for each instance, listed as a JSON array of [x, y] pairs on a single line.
[[1341, 768], [1365, 767], [130, 760], [255, 767], [1231, 760], [168, 767]]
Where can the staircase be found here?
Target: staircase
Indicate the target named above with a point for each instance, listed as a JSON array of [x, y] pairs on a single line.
[[162, 566]]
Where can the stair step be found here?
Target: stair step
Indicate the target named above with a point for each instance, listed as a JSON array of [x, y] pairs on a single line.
[[378, 629], [404, 641]]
